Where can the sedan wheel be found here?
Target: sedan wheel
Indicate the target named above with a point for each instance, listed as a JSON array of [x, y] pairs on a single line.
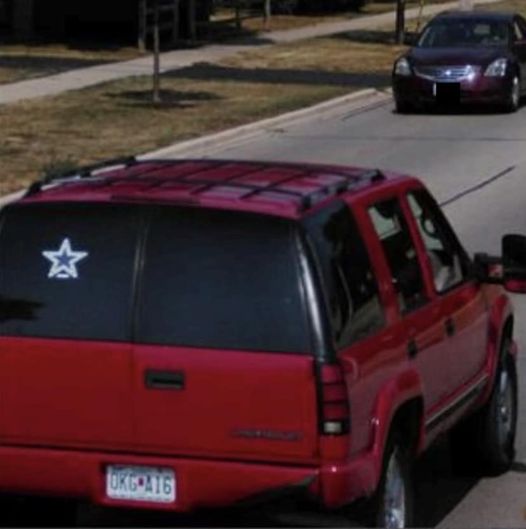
[[514, 97]]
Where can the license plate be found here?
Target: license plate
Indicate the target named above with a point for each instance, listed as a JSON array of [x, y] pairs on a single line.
[[140, 483], [447, 92]]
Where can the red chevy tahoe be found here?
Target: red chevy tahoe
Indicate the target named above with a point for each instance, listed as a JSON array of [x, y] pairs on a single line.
[[185, 334]]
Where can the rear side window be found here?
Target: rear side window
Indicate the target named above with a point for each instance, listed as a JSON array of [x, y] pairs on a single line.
[[220, 279], [348, 279], [66, 271]]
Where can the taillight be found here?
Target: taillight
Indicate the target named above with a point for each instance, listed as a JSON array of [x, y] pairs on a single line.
[[334, 402]]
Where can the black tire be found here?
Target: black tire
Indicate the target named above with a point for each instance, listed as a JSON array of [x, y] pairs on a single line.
[[485, 442], [513, 98], [393, 503]]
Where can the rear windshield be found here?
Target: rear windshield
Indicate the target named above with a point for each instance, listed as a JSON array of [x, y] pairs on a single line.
[[67, 271], [211, 279], [222, 280]]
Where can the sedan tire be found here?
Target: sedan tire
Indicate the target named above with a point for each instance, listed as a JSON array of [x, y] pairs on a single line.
[[513, 99]]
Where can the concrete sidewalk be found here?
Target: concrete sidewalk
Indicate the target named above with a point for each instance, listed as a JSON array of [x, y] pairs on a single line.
[[173, 60]]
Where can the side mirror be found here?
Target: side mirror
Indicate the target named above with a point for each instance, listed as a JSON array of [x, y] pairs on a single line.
[[488, 269], [410, 38], [514, 263]]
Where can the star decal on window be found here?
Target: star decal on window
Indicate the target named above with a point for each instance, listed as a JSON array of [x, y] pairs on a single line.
[[64, 261]]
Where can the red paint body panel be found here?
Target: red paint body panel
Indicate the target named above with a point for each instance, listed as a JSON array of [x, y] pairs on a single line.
[[65, 393]]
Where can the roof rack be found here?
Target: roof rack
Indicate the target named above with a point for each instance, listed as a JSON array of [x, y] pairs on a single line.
[[306, 200], [81, 172]]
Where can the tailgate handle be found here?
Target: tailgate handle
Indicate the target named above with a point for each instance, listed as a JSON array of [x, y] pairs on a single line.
[[173, 380]]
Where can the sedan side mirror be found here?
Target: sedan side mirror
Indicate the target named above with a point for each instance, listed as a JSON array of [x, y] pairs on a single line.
[[514, 263]]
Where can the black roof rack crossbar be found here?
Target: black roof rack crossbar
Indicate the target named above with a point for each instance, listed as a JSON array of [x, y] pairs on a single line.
[[250, 189]]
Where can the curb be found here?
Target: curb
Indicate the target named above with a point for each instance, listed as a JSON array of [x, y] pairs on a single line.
[[249, 131]]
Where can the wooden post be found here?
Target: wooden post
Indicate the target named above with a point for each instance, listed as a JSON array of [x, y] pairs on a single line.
[[142, 32], [176, 17], [156, 54]]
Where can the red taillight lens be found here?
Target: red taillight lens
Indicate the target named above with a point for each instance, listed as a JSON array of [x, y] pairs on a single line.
[[334, 405]]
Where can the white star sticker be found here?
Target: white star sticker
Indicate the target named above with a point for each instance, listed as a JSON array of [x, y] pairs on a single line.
[[63, 261]]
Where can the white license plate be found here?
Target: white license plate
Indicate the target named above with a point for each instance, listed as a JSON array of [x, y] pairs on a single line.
[[140, 483]]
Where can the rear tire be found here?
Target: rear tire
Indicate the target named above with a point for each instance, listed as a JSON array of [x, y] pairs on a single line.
[[392, 504], [486, 441]]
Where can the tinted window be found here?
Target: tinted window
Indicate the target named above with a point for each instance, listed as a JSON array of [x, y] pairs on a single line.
[[222, 279], [446, 256], [400, 252], [350, 285], [66, 271]]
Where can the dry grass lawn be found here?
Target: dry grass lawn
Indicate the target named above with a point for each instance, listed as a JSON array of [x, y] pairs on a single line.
[[505, 5]]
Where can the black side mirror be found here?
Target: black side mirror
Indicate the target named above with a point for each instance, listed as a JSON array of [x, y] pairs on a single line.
[[514, 263]]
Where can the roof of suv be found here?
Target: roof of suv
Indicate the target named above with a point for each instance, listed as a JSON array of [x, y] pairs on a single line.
[[276, 188]]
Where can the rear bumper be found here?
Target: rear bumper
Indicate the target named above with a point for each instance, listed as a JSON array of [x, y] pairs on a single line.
[[199, 483], [483, 90]]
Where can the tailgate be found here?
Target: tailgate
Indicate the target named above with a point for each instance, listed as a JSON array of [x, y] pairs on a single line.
[[225, 403]]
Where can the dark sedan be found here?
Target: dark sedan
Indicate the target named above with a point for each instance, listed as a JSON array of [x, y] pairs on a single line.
[[463, 57]]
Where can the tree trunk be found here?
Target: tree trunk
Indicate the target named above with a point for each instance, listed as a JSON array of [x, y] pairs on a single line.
[[238, 15], [267, 13], [156, 54], [400, 21]]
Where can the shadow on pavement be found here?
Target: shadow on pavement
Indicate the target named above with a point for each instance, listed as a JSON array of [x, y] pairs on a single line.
[[369, 36], [212, 72], [169, 98], [437, 489]]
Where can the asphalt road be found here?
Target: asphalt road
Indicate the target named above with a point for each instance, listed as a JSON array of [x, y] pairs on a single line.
[[475, 163]]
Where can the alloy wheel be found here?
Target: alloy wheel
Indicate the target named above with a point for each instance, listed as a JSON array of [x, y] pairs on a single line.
[[394, 494]]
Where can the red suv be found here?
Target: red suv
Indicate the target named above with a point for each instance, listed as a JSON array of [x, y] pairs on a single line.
[[185, 334]]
